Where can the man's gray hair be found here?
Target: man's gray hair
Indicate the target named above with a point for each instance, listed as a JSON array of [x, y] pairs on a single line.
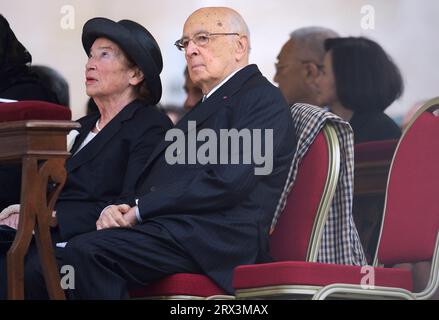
[[310, 41], [239, 25]]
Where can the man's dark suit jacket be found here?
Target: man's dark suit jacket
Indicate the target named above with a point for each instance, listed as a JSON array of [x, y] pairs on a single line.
[[221, 213], [108, 167]]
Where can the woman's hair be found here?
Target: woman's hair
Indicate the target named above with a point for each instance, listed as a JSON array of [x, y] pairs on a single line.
[[141, 89], [366, 78]]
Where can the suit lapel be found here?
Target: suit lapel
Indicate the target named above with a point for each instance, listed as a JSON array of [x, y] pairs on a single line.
[[204, 110], [92, 149], [87, 125]]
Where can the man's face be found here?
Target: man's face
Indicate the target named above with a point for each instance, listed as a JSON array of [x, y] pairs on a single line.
[[291, 75], [327, 89], [208, 65]]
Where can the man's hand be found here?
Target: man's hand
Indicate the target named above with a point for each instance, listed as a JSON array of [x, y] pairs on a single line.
[[130, 216], [114, 216]]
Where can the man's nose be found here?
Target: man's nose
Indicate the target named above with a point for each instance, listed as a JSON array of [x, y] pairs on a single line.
[[191, 49]]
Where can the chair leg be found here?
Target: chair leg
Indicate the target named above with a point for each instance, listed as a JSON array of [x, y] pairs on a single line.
[[356, 291]]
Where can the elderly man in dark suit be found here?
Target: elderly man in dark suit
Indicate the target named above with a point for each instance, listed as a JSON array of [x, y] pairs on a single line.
[[192, 214]]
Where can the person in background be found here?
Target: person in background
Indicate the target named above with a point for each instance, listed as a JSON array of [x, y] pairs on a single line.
[[298, 64], [175, 113], [54, 82], [358, 81], [193, 96], [17, 82], [193, 93]]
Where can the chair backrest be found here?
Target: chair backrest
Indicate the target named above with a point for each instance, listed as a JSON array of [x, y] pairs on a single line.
[[372, 165], [411, 214], [372, 151], [300, 227], [33, 110]]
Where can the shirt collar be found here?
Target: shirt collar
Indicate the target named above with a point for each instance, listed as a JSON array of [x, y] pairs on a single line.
[[220, 84]]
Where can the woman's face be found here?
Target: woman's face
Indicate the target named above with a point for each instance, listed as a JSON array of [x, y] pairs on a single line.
[[325, 82], [107, 71]]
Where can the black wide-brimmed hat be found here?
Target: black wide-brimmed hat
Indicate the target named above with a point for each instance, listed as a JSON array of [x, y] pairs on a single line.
[[136, 42]]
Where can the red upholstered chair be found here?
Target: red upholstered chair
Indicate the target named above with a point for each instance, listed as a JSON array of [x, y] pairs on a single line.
[[33, 110], [409, 233], [307, 206], [181, 286], [300, 227]]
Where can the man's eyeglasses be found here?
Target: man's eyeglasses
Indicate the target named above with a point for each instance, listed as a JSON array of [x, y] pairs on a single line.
[[200, 39], [320, 67], [280, 67]]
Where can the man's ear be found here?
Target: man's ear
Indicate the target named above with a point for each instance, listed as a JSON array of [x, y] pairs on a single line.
[[311, 72], [136, 76], [242, 47]]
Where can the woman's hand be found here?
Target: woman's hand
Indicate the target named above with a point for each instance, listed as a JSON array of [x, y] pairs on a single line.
[[11, 220], [6, 212], [10, 216]]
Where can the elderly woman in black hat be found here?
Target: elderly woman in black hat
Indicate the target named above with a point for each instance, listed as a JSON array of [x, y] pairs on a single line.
[[123, 78]]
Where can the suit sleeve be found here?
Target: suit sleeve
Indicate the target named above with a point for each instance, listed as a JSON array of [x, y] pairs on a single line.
[[139, 155], [223, 186]]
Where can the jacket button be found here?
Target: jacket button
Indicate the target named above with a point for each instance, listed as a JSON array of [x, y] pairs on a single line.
[[153, 188]]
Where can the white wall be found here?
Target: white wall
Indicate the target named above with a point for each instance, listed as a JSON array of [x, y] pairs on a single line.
[[407, 29]]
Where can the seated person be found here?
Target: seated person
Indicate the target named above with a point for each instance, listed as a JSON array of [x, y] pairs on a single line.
[[122, 76], [193, 93], [54, 83], [298, 62], [175, 113], [358, 81], [17, 82], [192, 217]]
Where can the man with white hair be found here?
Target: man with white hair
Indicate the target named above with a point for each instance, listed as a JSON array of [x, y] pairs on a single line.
[[299, 64]]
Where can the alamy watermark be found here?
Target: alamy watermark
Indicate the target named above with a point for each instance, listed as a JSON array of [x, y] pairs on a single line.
[[368, 280], [368, 18], [230, 147], [68, 280], [68, 19]]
